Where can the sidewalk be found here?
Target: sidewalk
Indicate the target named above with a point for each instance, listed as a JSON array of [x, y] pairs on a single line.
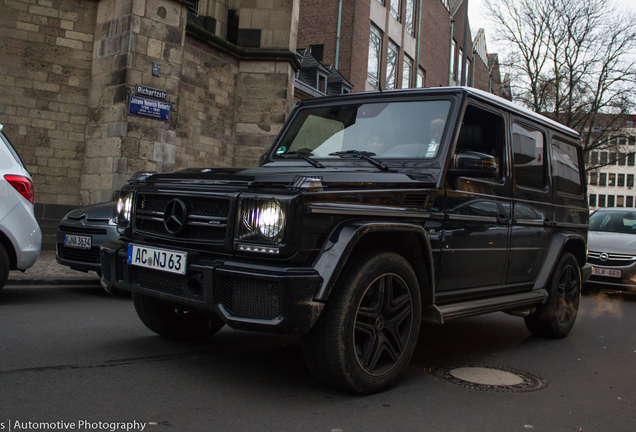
[[46, 271]]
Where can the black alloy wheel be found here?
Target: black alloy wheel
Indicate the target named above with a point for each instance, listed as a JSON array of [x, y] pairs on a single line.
[[365, 337], [383, 324], [556, 317]]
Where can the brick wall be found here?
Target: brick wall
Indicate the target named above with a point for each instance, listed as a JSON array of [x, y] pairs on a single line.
[[45, 67]]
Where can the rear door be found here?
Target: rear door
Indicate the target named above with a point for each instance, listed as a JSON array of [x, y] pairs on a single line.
[[532, 209]]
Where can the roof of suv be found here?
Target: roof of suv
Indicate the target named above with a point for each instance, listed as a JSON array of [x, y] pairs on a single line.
[[479, 94]]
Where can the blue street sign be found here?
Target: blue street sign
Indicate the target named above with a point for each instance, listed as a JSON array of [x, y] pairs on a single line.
[[149, 108]]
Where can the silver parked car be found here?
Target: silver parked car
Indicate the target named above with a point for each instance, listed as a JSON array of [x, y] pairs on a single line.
[[612, 248], [80, 234], [20, 235]]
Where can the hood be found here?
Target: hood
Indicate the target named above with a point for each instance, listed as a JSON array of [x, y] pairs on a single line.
[[101, 211], [611, 242], [286, 175]]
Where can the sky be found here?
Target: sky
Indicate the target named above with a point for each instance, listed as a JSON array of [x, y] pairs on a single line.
[[478, 20]]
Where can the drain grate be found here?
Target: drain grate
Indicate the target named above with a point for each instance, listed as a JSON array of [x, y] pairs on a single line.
[[488, 377]]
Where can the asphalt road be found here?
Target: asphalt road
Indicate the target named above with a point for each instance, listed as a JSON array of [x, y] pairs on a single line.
[[76, 354]]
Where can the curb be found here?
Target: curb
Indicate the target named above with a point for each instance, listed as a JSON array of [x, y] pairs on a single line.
[[53, 281]]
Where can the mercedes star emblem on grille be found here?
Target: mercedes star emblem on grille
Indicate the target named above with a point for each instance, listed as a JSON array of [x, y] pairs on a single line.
[[603, 256], [175, 216]]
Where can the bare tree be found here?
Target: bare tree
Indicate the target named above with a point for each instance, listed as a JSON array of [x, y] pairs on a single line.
[[571, 60]]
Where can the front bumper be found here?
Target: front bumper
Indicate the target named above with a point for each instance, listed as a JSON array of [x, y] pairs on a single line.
[[246, 296], [625, 283]]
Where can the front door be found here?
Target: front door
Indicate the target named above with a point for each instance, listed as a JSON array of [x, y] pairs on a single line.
[[475, 241]]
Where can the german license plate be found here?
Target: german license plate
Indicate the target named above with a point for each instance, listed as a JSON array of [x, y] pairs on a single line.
[[158, 259], [82, 242], [606, 272]]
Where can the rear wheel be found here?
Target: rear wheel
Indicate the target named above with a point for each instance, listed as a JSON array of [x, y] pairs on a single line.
[[175, 322], [4, 266], [365, 337], [555, 318]]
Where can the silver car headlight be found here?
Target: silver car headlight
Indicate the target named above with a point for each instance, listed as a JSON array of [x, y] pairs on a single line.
[[262, 221], [124, 210]]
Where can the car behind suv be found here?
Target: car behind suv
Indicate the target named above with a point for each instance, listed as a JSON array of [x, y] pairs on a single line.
[[20, 235], [370, 213]]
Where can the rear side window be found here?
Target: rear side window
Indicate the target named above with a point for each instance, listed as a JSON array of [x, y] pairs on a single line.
[[565, 168], [529, 156]]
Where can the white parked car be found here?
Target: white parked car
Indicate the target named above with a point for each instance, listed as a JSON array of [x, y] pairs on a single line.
[[20, 235]]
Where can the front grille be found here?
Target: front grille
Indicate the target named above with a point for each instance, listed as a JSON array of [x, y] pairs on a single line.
[[248, 298], [612, 260], [207, 220], [156, 280], [89, 256], [82, 230]]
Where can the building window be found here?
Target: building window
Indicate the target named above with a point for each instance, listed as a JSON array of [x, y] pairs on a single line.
[[409, 19], [592, 200], [603, 158], [629, 201], [395, 9], [375, 48], [620, 201], [391, 65], [467, 77], [594, 158], [194, 7], [621, 159], [630, 180], [631, 158], [629, 123], [622, 140], [407, 71], [460, 61], [611, 180], [632, 140], [602, 179], [610, 201], [601, 200], [612, 158], [621, 179], [322, 83], [421, 75], [594, 178]]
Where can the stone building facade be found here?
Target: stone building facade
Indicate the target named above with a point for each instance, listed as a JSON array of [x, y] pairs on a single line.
[[69, 70]]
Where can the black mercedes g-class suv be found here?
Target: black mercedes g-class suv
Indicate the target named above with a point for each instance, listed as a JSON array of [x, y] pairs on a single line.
[[370, 213]]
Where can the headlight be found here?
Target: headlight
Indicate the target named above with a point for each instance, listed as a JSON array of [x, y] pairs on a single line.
[[124, 208], [262, 221]]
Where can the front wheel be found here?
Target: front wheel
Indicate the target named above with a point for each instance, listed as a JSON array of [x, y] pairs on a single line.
[[555, 318], [175, 322], [365, 337]]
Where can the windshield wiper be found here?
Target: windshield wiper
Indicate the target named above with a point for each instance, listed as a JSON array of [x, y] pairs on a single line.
[[302, 155], [363, 155]]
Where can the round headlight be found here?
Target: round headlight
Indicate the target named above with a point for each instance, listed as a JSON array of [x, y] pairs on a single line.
[[271, 219]]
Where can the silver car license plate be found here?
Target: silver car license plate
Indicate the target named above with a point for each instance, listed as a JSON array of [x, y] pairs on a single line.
[[158, 259], [606, 272], [76, 241]]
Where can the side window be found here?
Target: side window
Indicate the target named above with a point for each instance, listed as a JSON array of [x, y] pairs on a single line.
[[565, 168], [528, 151], [483, 132]]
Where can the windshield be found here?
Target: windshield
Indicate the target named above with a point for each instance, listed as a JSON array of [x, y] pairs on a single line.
[[613, 221], [397, 130]]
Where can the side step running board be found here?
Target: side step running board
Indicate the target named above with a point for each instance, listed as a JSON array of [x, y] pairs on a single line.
[[440, 314]]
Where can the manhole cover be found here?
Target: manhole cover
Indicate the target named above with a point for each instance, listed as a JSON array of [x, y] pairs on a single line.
[[489, 377]]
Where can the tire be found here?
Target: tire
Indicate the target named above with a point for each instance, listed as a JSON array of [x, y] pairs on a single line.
[[555, 318], [362, 343], [4, 266], [174, 322]]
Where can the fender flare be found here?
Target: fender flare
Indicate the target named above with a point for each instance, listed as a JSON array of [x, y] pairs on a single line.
[[344, 238], [557, 246]]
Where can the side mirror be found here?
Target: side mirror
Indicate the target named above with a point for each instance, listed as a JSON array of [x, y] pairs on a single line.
[[473, 164]]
